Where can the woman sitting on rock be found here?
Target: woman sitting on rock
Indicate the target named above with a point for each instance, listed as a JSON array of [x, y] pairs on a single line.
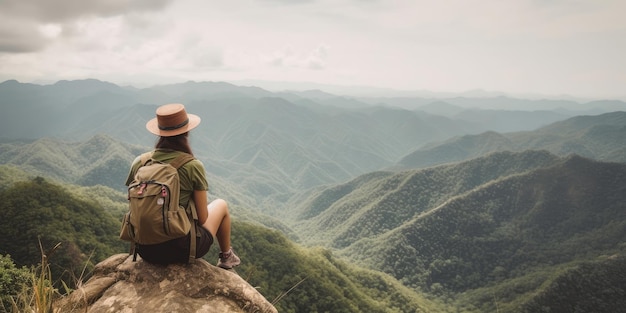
[[172, 124]]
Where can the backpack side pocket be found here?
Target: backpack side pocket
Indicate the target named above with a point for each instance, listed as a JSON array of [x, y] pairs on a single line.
[[178, 223], [126, 233]]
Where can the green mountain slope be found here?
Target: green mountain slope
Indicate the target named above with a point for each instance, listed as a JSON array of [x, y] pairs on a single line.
[[313, 280], [380, 202], [297, 279], [508, 229], [36, 211], [602, 283], [98, 161], [104, 162]]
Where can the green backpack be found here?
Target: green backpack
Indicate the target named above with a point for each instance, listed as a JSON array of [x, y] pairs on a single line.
[[154, 214]]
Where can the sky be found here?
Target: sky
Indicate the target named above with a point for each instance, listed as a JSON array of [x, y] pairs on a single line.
[[541, 47]]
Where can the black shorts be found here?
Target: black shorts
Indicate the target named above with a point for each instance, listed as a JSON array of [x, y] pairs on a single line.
[[176, 250]]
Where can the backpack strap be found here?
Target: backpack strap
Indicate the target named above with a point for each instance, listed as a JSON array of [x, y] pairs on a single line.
[[145, 157], [181, 160], [133, 250], [193, 237]]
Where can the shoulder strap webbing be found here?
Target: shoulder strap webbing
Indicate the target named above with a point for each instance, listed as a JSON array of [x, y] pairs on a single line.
[[194, 231], [181, 160], [145, 157]]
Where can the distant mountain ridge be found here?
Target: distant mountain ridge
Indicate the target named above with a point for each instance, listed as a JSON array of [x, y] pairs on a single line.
[[274, 148], [601, 137], [267, 144], [49, 110], [501, 102]]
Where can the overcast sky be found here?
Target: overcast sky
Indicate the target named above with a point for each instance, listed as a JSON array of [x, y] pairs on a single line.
[[550, 47]]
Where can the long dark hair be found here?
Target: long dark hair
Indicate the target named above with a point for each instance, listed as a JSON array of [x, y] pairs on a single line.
[[178, 143]]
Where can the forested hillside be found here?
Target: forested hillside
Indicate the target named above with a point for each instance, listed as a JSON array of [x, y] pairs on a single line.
[[588, 287], [36, 210], [297, 279], [508, 233], [480, 226], [379, 202], [98, 161]]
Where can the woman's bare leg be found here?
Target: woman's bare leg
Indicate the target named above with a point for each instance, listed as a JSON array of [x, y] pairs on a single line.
[[218, 223]]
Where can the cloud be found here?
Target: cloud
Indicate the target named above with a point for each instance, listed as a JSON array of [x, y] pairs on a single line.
[[200, 54], [288, 57], [46, 11], [317, 58], [555, 46], [25, 24], [20, 37]]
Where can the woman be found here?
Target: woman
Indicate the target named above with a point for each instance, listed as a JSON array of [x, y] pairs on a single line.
[[172, 124]]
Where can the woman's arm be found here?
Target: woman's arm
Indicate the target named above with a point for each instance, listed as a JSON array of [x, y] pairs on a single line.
[[201, 201]]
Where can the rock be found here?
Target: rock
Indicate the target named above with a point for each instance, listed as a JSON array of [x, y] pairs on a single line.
[[121, 285]]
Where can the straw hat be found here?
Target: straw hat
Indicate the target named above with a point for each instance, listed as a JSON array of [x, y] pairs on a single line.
[[171, 120]]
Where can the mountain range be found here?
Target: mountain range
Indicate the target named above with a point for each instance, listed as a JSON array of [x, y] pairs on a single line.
[[447, 208], [287, 141]]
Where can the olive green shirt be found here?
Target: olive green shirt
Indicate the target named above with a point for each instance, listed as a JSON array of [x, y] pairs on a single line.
[[192, 175]]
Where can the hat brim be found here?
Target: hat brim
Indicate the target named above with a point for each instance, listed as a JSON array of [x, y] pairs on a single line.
[[153, 127]]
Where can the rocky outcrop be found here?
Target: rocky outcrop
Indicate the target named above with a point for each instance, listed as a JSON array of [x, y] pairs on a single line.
[[121, 285]]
